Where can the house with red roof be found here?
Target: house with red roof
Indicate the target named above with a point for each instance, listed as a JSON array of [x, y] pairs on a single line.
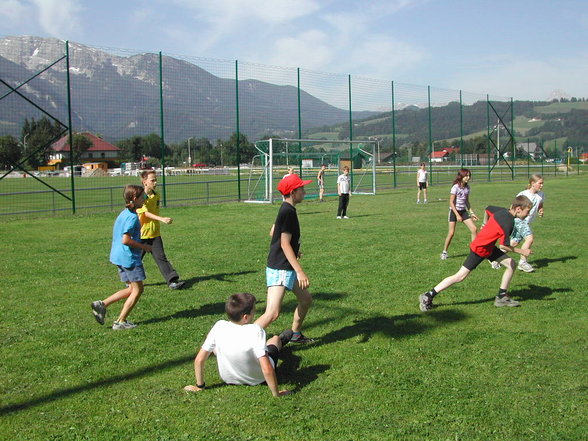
[[443, 155], [101, 151]]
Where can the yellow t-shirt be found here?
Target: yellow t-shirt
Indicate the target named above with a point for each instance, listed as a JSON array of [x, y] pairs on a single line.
[[149, 227]]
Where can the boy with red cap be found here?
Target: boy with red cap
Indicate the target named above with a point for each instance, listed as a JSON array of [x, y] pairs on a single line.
[[284, 271]]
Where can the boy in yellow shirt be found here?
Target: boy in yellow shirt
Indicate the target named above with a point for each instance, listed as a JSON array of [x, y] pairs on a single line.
[[150, 234]]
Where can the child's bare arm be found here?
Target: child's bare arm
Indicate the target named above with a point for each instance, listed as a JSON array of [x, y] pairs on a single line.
[[269, 374], [520, 251], [127, 240], [199, 362], [165, 220], [293, 260]]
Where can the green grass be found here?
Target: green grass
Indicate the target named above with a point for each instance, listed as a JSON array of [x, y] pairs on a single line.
[[380, 370]]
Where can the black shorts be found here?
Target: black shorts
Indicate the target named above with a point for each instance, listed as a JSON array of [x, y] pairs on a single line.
[[272, 352], [473, 260], [422, 185], [463, 213]]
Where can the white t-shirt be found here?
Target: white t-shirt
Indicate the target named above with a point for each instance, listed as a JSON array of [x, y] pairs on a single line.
[[422, 175], [344, 182], [462, 195], [237, 349], [537, 199]]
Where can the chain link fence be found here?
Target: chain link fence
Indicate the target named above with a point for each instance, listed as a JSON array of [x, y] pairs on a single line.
[[195, 120]]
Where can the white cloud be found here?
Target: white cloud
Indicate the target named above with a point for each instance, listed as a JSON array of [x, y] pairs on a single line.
[[527, 79], [59, 18], [12, 11], [309, 49]]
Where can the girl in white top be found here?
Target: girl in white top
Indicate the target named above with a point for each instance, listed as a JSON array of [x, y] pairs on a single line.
[[523, 227], [459, 208], [422, 180]]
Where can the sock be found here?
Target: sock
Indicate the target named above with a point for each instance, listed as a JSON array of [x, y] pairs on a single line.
[[296, 335], [501, 293], [523, 259], [432, 293]]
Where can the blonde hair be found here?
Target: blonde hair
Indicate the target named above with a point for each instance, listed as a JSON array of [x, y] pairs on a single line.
[[534, 178]]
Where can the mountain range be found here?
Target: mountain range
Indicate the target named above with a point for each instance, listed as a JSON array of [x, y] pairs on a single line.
[[119, 96]]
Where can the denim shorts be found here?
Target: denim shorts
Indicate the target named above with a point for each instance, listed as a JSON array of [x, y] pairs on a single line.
[[133, 274], [278, 277]]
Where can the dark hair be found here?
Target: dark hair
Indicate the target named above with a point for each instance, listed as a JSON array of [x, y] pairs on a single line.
[[462, 173], [522, 201], [239, 304], [422, 163], [130, 193], [146, 173]]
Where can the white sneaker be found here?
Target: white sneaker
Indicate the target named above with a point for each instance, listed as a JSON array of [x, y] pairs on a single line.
[[495, 265], [526, 267], [345, 217], [338, 217], [425, 201], [444, 255]]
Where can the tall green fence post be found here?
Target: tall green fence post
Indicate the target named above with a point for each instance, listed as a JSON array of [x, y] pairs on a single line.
[[512, 138], [461, 128], [238, 131], [161, 129], [299, 123], [350, 134], [430, 136], [488, 135], [70, 132], [393, 136]]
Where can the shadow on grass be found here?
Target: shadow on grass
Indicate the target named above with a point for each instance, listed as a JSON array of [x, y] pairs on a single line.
[[393, 327], [208, 309], [541, 263], [289, 370], [67, 392], [535, 292], [221, 277]]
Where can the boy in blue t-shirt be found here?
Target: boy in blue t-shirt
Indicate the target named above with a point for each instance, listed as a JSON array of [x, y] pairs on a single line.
[[125, 253]]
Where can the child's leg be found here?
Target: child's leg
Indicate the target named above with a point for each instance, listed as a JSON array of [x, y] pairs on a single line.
[[119, 295], [345, 204], [165, 267], [275, 340], [526, 246], [472, 227], [510, 266], [275, 295], [136, 291], [450, 234], [304, 301], [452, 280], [340, 208], [425, 193], [419, 194]]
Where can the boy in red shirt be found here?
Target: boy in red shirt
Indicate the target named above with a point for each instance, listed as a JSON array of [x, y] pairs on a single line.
[[499, 225]]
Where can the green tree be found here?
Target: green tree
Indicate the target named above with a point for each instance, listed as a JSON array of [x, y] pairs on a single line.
[[10, 151], [37, 139], [81, 144]]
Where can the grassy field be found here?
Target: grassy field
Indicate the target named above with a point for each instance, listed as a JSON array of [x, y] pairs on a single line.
[[379, 370]]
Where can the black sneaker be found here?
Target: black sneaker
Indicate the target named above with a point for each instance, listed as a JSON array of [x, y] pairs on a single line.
[[426, 301], [301, 339], [99, 311], [286, 336]]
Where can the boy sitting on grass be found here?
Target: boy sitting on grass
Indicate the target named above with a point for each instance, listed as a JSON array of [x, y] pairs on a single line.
[[242, 353]]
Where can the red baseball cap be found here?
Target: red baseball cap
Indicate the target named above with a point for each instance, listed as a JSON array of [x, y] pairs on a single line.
[[291, 183]]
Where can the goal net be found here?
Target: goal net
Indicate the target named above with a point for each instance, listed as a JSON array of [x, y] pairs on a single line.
[[275, 156]]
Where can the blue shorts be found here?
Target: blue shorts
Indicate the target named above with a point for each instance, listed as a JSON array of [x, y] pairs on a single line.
[[278, 277], [521, 231], [133, 274]]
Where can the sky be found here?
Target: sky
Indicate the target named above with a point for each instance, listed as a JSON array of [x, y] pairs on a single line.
[[509, 48]]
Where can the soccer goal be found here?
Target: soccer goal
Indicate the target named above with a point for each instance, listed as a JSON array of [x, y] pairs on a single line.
[[275, 156]]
